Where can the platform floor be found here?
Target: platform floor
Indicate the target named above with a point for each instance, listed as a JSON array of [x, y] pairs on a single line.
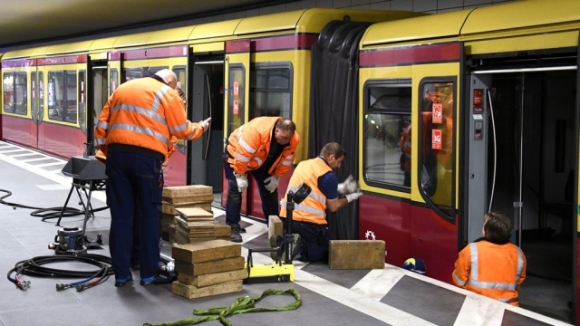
[[391, 296]]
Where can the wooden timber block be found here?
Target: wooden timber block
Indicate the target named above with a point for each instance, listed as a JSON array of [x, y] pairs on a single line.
[[194, 213], [167, 208], [201, 198], [222, 230], [275, 226], [167, 218], [356, 254], [209, 267], [186, 191], [206, 251], [192, 292], [215, 278]]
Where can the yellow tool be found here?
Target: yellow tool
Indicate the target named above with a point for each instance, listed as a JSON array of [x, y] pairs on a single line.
[[278, 271]]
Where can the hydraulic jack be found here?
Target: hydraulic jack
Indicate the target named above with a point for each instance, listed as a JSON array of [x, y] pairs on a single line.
[[282, 268]]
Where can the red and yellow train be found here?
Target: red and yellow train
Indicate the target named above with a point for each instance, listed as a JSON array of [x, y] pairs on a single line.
[[444, 116]]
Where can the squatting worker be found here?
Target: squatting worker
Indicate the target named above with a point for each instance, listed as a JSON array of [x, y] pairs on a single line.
[[309, 217], [134, 132], [265, 148]]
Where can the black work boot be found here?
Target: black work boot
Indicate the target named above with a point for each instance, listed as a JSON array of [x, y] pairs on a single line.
[[235, 235]]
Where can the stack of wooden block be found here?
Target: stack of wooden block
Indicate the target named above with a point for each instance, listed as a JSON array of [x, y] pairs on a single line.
[[208, 268], [182, 197], [194, 224]]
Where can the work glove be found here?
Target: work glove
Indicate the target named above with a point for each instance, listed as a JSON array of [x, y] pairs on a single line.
[[271, 183], [348, 186], [205, 124], [242, 181], [353, 196]]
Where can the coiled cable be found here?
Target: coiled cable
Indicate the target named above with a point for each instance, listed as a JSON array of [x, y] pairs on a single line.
[[51, 212], [34, 267]]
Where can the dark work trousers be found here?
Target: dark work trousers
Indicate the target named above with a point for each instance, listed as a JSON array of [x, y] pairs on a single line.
[[134, 180], [234, 200], [316, 238]]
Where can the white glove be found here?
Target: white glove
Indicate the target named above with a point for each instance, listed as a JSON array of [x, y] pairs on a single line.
[[271, 183], [242, 181], [205, 124], [348, 186], [353, 196]]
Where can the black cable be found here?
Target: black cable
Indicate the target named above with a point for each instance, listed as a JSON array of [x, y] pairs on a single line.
[[51, 212], [33, 267]]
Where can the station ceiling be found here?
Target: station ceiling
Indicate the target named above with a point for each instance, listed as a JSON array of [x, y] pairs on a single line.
[[28, 21]]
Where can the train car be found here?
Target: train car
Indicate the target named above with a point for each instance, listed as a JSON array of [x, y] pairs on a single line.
[[465, 112], [232, 71]]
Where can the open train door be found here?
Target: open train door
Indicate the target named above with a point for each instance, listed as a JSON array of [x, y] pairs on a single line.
[[520, 147], [207, 88], [237, 92]]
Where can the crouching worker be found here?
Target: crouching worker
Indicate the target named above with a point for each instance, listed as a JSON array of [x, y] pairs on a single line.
[[491, 265], [309, 217]]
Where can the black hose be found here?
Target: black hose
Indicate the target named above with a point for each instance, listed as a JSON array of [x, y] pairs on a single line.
[[51, 212], [34, 267]]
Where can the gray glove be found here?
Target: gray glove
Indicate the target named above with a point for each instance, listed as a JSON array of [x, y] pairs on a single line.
[[271, 183], [348, 186], [242, 181], [353, 196]]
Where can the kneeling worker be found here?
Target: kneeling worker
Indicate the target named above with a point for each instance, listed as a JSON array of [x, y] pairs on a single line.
[[309, 217], [491, 265]]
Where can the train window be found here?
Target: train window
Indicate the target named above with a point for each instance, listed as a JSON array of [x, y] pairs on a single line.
[[270, 91], [181, 77], [114, 80], [436, 170], [62, 96], [387, 119], [8, 82], [40, 95], [82, 100], [20, 96], [132, 73], [236, 90], [34, 97]]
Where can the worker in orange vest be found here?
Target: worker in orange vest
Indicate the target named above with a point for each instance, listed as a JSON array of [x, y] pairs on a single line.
[[134, 133], [491, 265], [264, 147]]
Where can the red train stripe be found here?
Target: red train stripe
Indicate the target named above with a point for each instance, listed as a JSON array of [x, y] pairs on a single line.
[[63, 60], [411, 55], [285, 42], [18, 63], [165, 52]]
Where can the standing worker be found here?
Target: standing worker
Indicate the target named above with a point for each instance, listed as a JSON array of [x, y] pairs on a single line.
[[491, 265], [264, 147], [309, 217], [134, 132]]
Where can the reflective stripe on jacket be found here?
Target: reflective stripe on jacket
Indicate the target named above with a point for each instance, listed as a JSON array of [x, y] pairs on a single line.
[[249, 146], [494, 270], [313, 208], [144, 113]]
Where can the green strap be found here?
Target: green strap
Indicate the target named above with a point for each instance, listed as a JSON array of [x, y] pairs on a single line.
[[240, 306]]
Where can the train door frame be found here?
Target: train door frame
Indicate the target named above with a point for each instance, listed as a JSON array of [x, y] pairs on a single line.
[[207, 169], [236, 99]]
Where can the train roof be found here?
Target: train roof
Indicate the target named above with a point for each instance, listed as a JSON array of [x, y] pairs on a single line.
[[310, 20], [507, 17]]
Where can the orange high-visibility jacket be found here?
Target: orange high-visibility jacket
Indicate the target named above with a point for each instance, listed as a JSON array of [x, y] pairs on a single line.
[[313, 208], [494, 270], [249, 146], [144, 113]]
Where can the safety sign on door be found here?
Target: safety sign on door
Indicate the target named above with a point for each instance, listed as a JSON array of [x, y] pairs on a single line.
[[436, 139], [437, 113]]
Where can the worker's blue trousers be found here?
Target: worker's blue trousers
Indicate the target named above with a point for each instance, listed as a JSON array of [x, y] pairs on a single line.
[[134, 180], [234, 199]]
